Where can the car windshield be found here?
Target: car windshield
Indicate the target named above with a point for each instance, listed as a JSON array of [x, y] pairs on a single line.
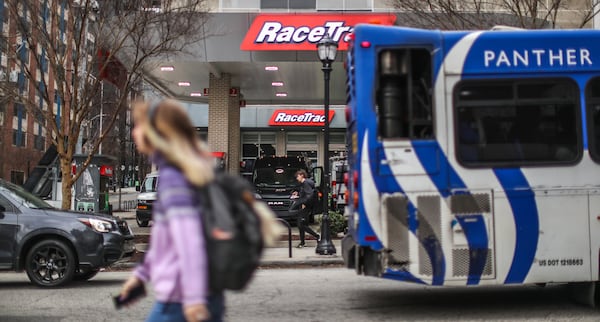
[[23, 196], [149, 184], [275, 176]]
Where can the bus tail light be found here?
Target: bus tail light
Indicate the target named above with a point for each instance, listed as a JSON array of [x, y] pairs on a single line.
[[348, 113], [371, 238], [333, 190], [355, 179], [355, 200]]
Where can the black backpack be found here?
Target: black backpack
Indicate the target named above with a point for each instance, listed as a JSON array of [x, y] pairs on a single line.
[[229, 206]]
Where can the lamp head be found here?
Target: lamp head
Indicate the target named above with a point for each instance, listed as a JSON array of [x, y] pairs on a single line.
[[327, 49]]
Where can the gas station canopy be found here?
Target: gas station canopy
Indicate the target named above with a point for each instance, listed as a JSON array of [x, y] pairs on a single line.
[[271, 58]]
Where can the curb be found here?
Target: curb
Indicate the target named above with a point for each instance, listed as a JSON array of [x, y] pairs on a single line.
[[328, 262], [277, 259]]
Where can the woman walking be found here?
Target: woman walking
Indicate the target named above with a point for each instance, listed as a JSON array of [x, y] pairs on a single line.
[[176, 261]]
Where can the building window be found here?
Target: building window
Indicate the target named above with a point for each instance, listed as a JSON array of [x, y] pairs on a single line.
[[351, 5], [337, 138], [3, 44], [18, 138], [19, 111], [17, 177], [517, 123], [43, 62], [302, 138], [255, 145], [303, 144], [337, 144], [240, 4], [288, 4], [39, 142]]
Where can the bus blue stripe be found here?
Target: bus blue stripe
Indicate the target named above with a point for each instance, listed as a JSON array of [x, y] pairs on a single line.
[[524, 209], [476, 234], [402, 276], [366, 228]]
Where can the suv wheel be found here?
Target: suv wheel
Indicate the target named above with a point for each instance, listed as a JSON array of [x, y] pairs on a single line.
[[141, 223], [50, 263]]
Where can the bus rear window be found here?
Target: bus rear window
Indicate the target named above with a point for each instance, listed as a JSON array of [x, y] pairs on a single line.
[[537, 124], [592, 94], [404, 94]]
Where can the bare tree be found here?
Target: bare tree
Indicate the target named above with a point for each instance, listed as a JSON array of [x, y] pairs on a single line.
[[63, 50], [484, 14]]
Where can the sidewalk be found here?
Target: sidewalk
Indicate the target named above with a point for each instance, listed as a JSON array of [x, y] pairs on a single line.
[[277, 256]]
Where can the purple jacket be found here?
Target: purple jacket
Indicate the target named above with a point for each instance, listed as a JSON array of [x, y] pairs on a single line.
[[176, 263]]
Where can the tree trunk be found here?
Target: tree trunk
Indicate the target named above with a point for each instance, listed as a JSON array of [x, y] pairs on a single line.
[[67, 183]]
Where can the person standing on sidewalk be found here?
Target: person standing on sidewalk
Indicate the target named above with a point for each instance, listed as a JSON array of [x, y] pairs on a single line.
[[176, 261], [304, 203]]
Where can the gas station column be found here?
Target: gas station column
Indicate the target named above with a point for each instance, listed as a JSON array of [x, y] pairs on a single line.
[[224, 119]]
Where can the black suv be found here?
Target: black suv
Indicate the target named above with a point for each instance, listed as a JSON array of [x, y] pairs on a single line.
[[274, 180], [55, 246]]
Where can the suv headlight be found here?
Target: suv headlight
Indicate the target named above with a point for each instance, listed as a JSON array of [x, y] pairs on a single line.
[[101, 226]]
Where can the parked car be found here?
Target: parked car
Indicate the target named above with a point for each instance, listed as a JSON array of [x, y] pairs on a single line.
[[147, 196], [55, 246]]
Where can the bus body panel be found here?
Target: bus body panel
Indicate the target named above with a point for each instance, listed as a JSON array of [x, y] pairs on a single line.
[[432, 220]]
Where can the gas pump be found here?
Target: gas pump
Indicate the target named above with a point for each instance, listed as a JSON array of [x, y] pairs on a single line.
[[92, 187]]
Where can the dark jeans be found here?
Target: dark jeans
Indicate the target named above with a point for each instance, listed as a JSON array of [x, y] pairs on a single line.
[[302, 221], [173, 312]]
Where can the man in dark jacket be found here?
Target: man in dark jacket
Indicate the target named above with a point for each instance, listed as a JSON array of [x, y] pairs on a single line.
[[304, 201]]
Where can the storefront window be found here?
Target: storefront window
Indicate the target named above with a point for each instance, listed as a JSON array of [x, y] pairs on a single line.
[[337, 144], [303, 144], [254, 145]]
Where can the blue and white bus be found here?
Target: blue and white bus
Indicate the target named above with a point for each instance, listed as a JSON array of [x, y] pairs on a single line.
[[474, 156]]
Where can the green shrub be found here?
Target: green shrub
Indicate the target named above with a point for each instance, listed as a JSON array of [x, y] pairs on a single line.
[[337, 223]]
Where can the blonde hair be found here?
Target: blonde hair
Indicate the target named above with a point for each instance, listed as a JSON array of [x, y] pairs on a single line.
[[168, 129]]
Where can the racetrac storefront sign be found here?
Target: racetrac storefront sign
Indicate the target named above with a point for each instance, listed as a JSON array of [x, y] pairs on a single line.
[[299, 118], [303, 31]]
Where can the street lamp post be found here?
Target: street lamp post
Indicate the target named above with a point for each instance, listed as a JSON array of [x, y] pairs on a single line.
[[327, 49]]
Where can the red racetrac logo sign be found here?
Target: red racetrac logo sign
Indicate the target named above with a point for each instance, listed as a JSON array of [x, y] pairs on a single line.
[[106, 170], [303, 31], [299, 118]]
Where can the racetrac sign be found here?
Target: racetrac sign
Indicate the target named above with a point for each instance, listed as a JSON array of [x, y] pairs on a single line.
[[303, 31], [299, 117]]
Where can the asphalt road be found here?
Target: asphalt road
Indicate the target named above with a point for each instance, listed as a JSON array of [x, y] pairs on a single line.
[[333, 294]]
